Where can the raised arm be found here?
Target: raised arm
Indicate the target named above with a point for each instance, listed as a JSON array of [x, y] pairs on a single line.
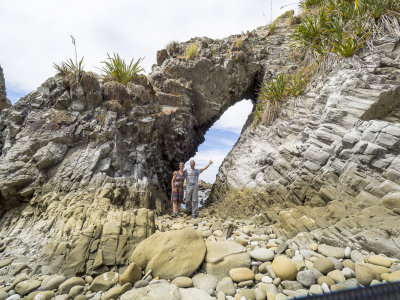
[[202, 169]]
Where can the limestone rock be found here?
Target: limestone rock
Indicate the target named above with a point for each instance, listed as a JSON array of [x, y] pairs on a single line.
[[171, 254], [117, 291], [193, 293], [331, 251], [205, 282]]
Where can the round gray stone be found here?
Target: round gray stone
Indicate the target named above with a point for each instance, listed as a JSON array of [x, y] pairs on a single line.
[[306, 278], [262, 254]]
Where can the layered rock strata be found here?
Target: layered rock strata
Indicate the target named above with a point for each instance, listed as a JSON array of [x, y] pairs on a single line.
[[80, 152], [330, 163], [4, 102]]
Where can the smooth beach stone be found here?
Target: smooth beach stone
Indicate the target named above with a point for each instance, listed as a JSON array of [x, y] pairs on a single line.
[[226, 286], [104, 281], [331, 251], [324, 265], [325, 280], [205, 282], [247, 283], [52, 282], [356, 256], [291, 285], [365, 275], [306, 278], [380, 261], [24, 287], [284, 268], [316, 289], [132, 273], [117, 291], [183, 282], [262, 254], [337, 276], [68, 284], [241, 274], [392, 277]]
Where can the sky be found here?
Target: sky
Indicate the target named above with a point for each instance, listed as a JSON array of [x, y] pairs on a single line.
[[36, 34]]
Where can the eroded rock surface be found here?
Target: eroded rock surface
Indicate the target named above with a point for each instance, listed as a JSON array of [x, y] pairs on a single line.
[[329, 165]]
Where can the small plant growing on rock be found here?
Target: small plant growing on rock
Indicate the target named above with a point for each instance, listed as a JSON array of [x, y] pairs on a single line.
[[297, 83], [192, 51], [239, 43], [116, 69]]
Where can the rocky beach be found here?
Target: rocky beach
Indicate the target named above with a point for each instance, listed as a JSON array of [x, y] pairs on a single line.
[[306, 204], [210, 258]]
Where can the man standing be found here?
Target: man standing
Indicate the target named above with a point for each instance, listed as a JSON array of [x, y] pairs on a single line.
[[192, 185]]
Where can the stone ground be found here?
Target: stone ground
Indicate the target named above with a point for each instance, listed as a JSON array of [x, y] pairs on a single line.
[[244, 260]]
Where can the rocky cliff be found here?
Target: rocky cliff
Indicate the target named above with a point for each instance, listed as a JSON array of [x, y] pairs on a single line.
[[4, 102], [85, 163], [329, 166]]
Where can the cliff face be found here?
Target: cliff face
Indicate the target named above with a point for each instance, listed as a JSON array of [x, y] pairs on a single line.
[[78, 158], [330, 164], [83, 162], [4, 102]]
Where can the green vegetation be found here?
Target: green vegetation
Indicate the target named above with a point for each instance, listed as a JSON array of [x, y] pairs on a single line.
[[116, 69], [239, 43], [69, 67], [273, 94], [192, 51], [340, 26]]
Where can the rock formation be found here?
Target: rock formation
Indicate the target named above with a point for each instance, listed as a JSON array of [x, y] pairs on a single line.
[[85, 162], [331, 161], [4, 102]]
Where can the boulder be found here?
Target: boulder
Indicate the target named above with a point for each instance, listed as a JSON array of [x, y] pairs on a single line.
[[171, 254], [221, 257]]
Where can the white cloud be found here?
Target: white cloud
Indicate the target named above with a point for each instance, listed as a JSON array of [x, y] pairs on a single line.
[[235, 117]]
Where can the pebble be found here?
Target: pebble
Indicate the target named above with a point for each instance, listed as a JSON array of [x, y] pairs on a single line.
[[348, 273], [380, 261], [316, 289], [241, 274], [141, 283], [306, 278], [325, 288], [282, 248], [356, 256], [262, 254], [284, 268], [331, 251], [247, 283], [183, 282], [347, 252], [324, 265], [337, 276], [267, 279]]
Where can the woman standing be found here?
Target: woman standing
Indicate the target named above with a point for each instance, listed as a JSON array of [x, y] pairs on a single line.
[[177, 189]]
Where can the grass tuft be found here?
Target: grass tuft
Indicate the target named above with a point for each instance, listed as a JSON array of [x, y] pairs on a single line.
[[116, 69], [192, 51]]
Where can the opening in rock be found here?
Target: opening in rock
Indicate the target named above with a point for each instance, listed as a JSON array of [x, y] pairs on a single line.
[[220, 139]]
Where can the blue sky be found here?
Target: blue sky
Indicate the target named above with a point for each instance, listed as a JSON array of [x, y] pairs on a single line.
[[35, 34]]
